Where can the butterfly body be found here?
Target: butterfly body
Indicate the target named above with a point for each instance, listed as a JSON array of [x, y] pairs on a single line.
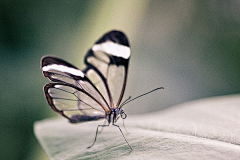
[[114, 115], [111, 118]]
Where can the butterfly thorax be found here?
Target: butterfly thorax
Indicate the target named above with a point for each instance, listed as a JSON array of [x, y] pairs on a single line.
[[115, 113]]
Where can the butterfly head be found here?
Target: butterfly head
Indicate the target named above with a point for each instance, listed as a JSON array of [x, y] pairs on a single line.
[[114, 115]]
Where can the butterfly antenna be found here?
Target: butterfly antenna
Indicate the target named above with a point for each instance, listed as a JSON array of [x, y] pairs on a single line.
[[128, 100]]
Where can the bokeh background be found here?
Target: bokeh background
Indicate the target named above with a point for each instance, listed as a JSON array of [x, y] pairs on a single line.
[[190, 47]]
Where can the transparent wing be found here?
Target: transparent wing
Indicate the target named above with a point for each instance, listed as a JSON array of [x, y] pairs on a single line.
[[107, 66], [58, 70], [73, 103]]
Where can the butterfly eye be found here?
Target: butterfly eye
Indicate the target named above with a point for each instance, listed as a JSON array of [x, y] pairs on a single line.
[[123, 114]]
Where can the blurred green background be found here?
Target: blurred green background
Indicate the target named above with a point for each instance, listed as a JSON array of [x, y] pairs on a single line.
[[191, 47]]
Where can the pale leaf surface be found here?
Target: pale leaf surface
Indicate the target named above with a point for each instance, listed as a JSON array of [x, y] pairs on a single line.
[[202, 129]]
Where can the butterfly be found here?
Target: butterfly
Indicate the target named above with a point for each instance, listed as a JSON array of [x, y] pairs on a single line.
[[95, 92]]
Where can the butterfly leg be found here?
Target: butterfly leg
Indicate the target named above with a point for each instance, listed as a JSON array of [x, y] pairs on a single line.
[[96, 134], [125, 127], [104, 123], [123, 136]]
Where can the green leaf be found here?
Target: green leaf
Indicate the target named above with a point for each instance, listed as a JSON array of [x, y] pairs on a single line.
[[202, 129]]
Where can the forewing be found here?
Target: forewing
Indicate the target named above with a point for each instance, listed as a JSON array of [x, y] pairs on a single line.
[[73, 103], [107, 65], [58, 70]]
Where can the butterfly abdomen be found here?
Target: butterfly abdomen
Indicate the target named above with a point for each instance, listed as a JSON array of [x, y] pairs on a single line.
[[82, 118]]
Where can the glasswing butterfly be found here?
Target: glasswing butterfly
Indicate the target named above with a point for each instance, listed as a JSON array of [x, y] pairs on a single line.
[[95, 92]]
